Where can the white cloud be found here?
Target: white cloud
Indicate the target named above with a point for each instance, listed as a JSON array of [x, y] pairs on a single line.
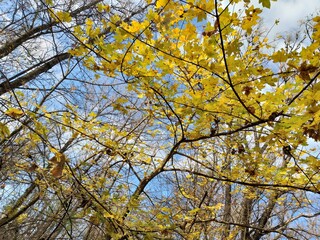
[[290, 13]]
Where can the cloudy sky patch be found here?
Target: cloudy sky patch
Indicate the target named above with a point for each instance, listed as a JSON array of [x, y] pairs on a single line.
[[290, 13]]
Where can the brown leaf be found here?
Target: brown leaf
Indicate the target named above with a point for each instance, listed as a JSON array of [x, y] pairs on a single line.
[[58, 165], [313, 133], [303, 66], [32, 167], [305, 69], [311, 68], [216, 25], [304, 75], [251, 109], [241, 148], [247, 90], [210, 33], [110, 152], [53, 160], [250, 171], [215, 30]]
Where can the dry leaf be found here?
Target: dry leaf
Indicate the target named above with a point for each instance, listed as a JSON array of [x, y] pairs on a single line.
[[58, 162]]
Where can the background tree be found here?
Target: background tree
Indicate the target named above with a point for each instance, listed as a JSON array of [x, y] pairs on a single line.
[[159, 120], [48, 100]]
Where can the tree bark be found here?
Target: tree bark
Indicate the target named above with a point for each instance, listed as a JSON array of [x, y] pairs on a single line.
[[7, 86], [11, 45]]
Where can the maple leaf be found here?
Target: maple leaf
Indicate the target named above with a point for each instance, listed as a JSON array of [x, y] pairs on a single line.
[[265, 3], [58, 162], [63, 16]]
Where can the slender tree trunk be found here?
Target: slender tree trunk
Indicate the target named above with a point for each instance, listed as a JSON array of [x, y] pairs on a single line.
[[265, 216], [227, 204], [20, 206], [245, 218], [227, 211]]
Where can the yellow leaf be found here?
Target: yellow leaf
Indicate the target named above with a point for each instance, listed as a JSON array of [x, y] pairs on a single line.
[[14, 112], [49, 2], [92, 114], [135, 26], [4, 131], [63, 16], [161, 3], [108, 215], [101, 7], [22, 217], [279, 56], [194, 211], [165, 209], [316, 19], [141, 95]]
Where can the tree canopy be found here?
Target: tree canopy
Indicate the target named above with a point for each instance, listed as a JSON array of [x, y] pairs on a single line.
[[166, 119]]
